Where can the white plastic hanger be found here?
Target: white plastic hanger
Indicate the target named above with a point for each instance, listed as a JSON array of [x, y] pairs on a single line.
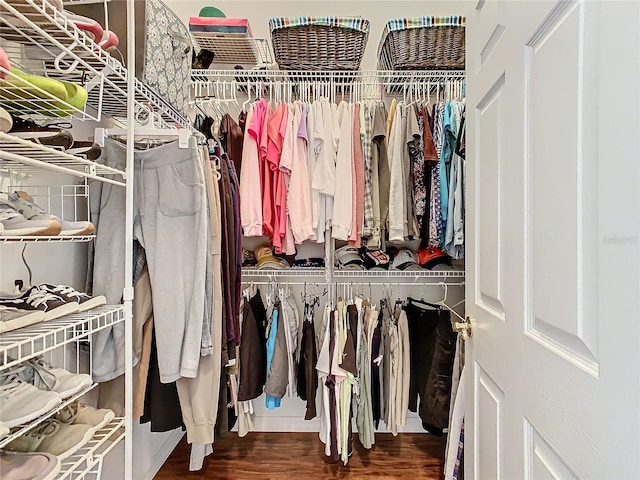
[[146, 130], [443, 302]]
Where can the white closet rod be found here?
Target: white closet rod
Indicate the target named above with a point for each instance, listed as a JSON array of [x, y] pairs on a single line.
[[357, 284], [370, 76], [224, 85]]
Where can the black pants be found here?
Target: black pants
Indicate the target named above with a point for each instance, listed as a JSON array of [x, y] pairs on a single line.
[[253, 349], [432, 352]]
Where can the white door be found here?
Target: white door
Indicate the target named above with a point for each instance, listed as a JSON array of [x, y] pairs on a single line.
[[553, 220]]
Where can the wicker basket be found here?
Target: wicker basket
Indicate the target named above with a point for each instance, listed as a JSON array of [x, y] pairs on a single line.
[[316, 47], [433, 47]]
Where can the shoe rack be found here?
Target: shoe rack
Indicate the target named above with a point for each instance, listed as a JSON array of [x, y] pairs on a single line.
[[66, 53]]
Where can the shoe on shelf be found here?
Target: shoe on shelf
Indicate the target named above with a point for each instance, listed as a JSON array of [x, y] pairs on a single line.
[[6, 122], [47, 377], [5, 64], [49, 138], [54, 437], [90, 150], [4, 431], [76, 412], [39, 92], [13, 318], [22, 402], [15, 224], [96, 418], [76, 97], [91, 27], [109, 39], [69, 294], [24, 204], [28, 466], [37, 299]]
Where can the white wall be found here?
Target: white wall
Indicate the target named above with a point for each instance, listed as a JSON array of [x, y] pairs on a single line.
[[377, 12]]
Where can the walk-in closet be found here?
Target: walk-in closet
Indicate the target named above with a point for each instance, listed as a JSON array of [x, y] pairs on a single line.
[[247, 239]]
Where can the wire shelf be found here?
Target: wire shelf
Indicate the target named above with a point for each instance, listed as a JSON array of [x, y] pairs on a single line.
[[417, 274], [235, 48], [291, 272], [26, 343], [70, 54], [19, 155], [365, 84], [20, 96], [384, 77], [89, 458], [30, 426], [48, 239]]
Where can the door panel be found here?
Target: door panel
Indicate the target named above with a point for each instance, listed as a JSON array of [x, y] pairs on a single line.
[[542, 460], [561, 311], [553, 260], [489, 133], [489, 407]]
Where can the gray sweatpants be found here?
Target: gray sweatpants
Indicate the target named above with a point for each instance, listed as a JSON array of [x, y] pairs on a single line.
[[170, 223]]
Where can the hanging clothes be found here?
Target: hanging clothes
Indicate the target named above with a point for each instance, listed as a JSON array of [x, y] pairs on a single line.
[[277, 364], [232, 141], [253, 349], [307, 377], [343, 194], [299, 192], [251, 174]]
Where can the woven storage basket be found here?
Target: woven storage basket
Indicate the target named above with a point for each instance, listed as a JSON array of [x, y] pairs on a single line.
[[423, 43], [310, 43]]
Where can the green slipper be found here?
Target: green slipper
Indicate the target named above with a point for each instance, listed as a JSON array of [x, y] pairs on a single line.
[[76, 97]]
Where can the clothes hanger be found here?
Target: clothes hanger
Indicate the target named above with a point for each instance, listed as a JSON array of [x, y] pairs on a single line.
[[246, 103], [444, 300], [147, 129]]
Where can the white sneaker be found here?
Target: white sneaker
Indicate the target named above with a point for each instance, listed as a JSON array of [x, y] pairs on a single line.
[[65, 383], [22, 402], [33, 466], [4, 430], [24, 204], [96, 418], [14, 318], [15, 224], [6, 122], [70, 294], [85, 414], [54, 437]]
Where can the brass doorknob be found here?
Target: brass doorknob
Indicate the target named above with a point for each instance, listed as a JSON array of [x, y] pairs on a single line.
[[465, 328]]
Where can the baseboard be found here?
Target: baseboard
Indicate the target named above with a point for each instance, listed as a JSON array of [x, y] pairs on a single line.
[[162, 454], [297, 424]]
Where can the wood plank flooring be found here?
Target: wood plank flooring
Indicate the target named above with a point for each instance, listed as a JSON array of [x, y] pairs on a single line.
[[301, 456]]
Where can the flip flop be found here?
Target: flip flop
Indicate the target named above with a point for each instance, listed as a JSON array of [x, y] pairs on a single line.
[[90, 26], [76, 97], [4, 63], [19, 87], [109, 39]]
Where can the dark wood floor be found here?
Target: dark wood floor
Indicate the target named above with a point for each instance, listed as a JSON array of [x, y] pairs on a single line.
[[301, 456]]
